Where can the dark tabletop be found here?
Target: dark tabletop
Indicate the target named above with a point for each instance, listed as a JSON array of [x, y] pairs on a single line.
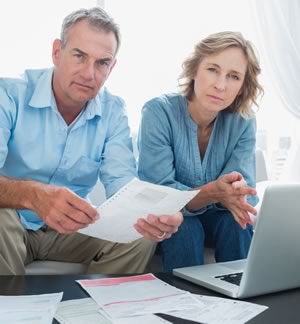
[[284, 307]]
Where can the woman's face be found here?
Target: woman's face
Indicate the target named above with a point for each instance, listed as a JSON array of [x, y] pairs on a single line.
[[219, 79]]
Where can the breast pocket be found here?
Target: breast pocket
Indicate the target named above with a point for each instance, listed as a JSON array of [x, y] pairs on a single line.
[[84, 172]]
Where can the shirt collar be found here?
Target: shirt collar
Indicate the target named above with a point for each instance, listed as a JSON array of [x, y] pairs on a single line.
[[43, 95]]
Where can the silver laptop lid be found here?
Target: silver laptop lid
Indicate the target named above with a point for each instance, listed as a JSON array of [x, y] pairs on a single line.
[[273, 262]]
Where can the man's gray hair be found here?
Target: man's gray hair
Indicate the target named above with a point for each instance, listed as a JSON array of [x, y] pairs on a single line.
[[96, 17]]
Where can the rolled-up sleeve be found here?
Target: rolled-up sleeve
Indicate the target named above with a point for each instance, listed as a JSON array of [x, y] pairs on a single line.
[[7, 116]]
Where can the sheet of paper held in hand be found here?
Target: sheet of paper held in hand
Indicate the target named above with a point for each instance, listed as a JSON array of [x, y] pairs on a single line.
[[135, 200]]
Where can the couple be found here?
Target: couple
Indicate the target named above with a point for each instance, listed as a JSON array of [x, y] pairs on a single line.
[[61, 130]]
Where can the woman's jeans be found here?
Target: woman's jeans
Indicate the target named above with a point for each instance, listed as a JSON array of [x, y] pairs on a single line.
[[215, 228]]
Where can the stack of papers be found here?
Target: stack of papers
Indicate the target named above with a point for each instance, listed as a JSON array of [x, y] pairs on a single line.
[[136, 295], [129, 300], [125, 300]]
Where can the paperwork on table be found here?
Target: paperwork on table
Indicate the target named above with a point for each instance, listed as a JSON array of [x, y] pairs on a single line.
[[126, 297], [31, 309]]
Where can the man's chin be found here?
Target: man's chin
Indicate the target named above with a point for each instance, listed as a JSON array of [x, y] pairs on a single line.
[[84, 97]]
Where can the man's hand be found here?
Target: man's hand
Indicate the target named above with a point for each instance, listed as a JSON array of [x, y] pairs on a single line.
[[231, 191], [159, 228], [61, 209]]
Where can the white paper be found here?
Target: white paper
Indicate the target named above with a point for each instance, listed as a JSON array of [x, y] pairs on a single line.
[[31, 309], [137, 295], [183, 302], [144, 319], [108, 291], [135, 200], [220, 310], [82, 311]]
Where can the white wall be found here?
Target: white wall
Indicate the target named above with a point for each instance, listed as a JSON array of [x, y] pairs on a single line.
[[156, 36]]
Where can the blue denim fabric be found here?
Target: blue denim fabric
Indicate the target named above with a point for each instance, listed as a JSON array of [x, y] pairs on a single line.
[[216, 228]]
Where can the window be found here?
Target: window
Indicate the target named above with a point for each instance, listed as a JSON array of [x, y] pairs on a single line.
[[156, 37], [28, 29]]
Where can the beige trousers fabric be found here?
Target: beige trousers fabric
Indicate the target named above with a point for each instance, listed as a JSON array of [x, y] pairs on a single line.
[[19, 247]]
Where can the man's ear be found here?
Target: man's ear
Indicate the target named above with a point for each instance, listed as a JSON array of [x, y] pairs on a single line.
[[111, 68], [56, 51]]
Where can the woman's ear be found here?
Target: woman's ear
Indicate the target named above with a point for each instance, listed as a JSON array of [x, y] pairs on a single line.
[[56, 51], [241, 91]]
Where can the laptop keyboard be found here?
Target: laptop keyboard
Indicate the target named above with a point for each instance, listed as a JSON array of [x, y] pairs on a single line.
[[234, 278]]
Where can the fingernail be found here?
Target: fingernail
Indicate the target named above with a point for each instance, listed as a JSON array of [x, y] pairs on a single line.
[[151, 219], [163, 219], [140, 222]]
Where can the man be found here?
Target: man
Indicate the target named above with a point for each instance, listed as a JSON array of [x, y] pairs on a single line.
[[60, 129]]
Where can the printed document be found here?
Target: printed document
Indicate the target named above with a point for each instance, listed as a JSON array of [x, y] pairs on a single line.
[[82, 311], [130, 297], [135, 200], [216, 310], [137, 295], [31, 309], [212, 310]]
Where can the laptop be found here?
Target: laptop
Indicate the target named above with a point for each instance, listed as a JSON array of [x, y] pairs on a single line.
[[273, 262]]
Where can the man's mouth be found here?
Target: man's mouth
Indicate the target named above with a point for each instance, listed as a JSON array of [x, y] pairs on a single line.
[[83, 86]]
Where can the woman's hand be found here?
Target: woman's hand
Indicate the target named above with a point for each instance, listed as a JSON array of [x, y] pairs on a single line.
[[159, 228], [231, 191]]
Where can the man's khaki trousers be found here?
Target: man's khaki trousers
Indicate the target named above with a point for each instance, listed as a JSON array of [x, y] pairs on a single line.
[[19, 247]]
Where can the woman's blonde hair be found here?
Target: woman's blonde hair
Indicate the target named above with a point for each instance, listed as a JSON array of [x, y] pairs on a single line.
[[214, 44]]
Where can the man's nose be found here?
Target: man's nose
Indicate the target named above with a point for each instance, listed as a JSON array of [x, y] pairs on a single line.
[[88, 72]]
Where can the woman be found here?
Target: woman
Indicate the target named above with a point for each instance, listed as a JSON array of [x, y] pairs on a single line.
[[204, 138]]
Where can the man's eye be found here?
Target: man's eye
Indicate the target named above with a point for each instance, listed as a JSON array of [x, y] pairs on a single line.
[[79, 57], [103, 63]]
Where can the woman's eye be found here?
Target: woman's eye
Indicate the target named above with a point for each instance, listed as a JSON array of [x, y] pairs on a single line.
[[235, 77], [212, 70]]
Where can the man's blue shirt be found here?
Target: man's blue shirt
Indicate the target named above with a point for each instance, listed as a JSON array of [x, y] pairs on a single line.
[[37, 144]]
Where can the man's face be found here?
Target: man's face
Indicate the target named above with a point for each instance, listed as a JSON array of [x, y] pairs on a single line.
[[83, 65]]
